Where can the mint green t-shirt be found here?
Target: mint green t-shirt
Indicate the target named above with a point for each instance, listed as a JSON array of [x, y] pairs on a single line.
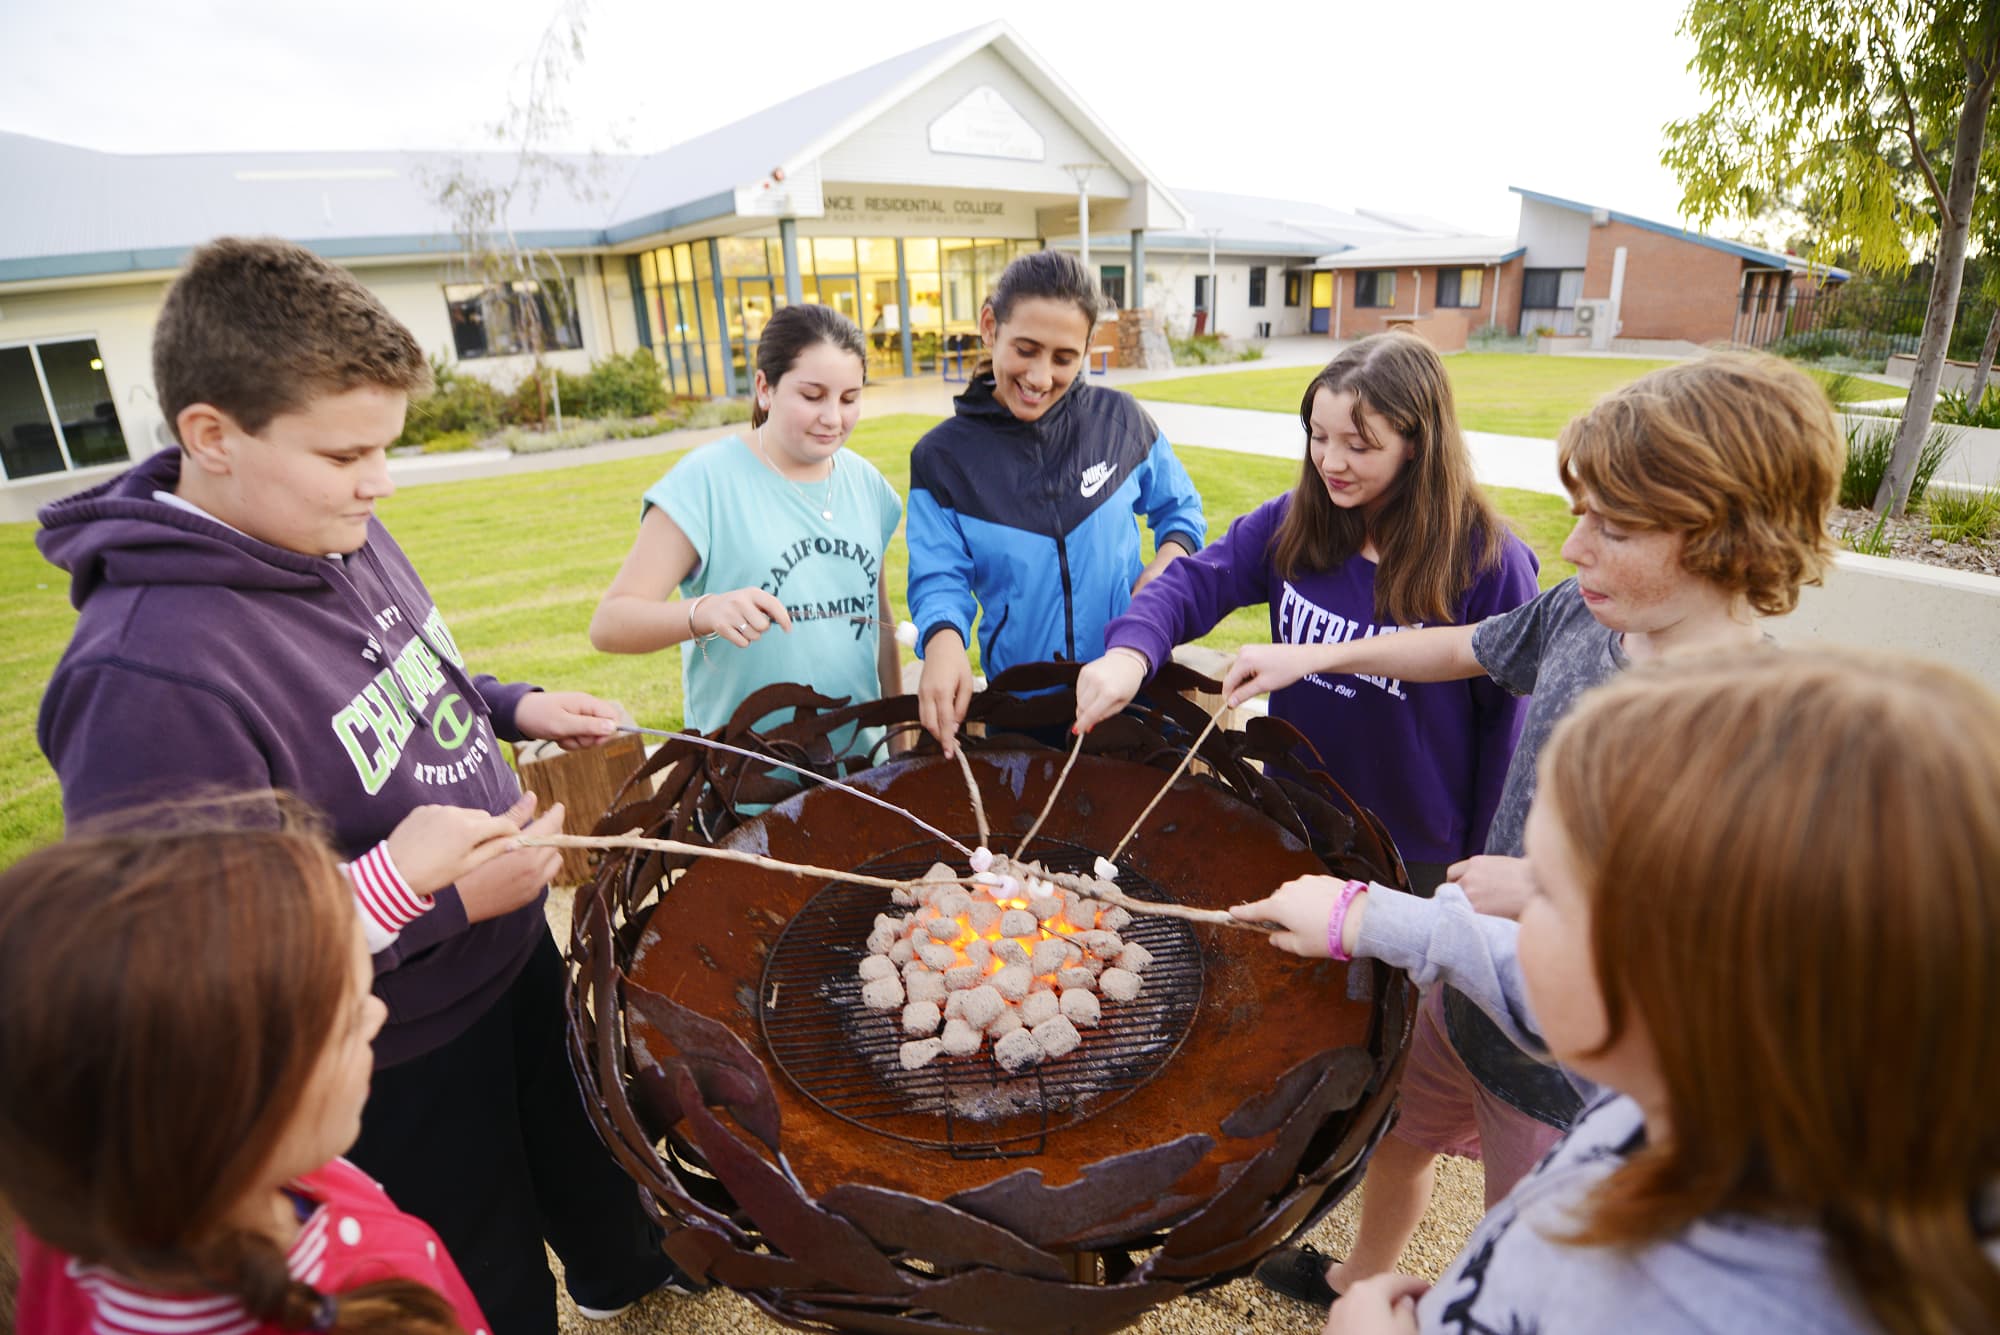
[[751, 528]]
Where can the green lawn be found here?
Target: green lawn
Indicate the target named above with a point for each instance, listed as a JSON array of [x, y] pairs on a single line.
[[1514, 393], [517, 565]]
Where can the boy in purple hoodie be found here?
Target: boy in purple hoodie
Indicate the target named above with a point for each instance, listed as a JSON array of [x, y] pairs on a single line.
[[246, 623]]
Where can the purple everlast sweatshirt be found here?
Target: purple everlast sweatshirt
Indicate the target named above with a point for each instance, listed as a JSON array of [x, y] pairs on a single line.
[[1428, 758], [204, 659]]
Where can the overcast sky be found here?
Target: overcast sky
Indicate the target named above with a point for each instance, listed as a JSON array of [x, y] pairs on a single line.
[[1429, 106]]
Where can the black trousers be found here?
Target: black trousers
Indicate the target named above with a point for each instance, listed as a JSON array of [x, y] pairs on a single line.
[[486, 1140]]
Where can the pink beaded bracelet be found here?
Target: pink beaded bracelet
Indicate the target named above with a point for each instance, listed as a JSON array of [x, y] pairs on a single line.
[[1336, 922]]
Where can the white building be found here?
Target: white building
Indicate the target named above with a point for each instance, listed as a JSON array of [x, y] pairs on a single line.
[[895, 194]]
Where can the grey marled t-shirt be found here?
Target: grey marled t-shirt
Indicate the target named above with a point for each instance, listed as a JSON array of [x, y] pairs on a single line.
[[1553, 648]]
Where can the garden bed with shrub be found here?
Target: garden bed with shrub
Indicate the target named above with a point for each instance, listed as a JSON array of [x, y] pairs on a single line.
[[618, 398]]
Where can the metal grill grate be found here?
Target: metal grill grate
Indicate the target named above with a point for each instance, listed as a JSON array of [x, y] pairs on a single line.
[[844, 1057]]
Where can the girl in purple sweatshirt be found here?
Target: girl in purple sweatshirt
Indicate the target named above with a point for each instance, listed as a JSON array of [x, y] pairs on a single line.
[[1385, 531]]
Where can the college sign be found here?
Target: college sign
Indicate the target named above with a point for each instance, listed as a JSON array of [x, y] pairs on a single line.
[[926, 212]]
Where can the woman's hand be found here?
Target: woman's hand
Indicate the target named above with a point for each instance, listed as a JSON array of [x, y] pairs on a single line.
[[1495, 885], [739, 616], [945, 689], [1384, 1305], [1302, 907], [1261, 668], [1107, 685], [573, 720]]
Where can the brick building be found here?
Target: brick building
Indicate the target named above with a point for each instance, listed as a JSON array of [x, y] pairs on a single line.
[[1444, 287], [1662, 281]]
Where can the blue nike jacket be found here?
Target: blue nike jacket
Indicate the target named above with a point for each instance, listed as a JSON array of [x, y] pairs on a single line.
[[1031, 522]]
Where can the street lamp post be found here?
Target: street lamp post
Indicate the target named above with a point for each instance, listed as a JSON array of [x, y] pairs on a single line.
[[1211, 233], [1080, 172]]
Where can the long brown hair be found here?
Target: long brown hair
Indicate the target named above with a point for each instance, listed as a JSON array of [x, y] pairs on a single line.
[[169, 997], [1437, 532], [1738, 452], [1790, 862]]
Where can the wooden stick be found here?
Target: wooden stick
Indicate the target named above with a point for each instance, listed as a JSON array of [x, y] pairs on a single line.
[[978, 807], [1179, 769], [1081, 885], [1106, 893], [696, 739], [726, 854], [1075, 749]]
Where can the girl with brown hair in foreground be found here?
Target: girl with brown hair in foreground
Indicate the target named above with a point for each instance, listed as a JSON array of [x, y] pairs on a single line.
[[184, 1055], [1761, 939]]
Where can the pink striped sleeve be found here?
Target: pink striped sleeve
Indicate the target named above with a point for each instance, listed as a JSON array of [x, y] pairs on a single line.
[[383, 898]]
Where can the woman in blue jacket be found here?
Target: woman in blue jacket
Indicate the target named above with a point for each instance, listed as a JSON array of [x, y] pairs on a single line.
[[1021, 504]]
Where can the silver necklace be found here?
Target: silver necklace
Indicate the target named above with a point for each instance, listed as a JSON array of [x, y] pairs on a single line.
[[832, 465]]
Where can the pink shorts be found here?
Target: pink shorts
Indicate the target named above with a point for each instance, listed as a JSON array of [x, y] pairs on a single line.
[[1446, 1111]]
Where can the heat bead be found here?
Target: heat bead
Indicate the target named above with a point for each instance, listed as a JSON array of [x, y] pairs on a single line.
[[1013, 982], [1114, 919], [921, 1019], [1051, 954], [1017, 923], [1118, 984], [902, 953], [919, 1053], [925, 986], [1075, 977], [876, 967], [1079, 1005], [1017, 1050], [1010, 952], [1057, 1036], [1039, 1006], [1134, 958], [961, 1039], [884, 994], [961, 976], [982, 1006], [936, 956]]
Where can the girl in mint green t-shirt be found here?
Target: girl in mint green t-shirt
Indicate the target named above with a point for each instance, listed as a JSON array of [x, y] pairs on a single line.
[[773, 542]]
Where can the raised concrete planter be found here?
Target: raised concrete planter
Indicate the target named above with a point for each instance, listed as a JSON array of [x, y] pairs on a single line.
[[1974, 459], [1874, 603]]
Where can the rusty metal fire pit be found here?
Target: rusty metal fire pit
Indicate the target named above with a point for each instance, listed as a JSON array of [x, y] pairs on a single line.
[[762, 1112]]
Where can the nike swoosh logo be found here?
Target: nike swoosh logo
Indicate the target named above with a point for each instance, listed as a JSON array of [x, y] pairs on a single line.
[[1092, 488], [1094, 479]]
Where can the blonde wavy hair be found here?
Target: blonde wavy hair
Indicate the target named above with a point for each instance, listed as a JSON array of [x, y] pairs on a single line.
[[1737, 452]]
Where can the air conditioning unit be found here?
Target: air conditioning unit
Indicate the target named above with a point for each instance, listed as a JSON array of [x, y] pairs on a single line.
[[1597, 318]]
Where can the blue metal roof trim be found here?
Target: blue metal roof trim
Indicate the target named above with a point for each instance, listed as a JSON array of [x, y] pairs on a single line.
[[1736, 248], [98, 264], [718, 205]]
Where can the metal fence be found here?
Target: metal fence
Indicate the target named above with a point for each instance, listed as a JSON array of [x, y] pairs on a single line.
[[1862, 323]]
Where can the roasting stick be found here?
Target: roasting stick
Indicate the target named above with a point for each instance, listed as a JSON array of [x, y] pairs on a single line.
[[698, 740], [1079, 884], [726, 854], [1075, 749], [1179, 769], [978, 807]]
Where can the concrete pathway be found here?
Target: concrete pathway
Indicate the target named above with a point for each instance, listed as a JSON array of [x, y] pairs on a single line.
[[1501, 461]]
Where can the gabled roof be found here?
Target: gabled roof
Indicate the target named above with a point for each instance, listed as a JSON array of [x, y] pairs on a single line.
[[96, 213], [77, 211], [1754, 254], [1424, 250], [1254, 224]]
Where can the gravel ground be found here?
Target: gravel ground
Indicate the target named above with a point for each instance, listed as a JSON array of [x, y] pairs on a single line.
[[1910, 539], [1243, 1306]]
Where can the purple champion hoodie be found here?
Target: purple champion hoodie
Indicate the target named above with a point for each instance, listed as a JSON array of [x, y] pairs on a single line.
[[204, 659]]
